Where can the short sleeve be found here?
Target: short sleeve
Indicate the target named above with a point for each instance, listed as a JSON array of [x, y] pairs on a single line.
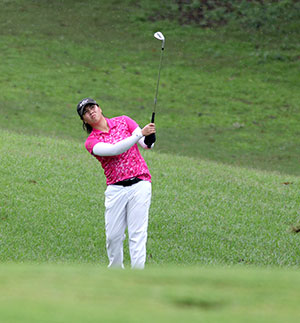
[[90, 143], [132, 125]]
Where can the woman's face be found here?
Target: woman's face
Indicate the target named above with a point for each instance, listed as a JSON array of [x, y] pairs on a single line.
[[92, 114]]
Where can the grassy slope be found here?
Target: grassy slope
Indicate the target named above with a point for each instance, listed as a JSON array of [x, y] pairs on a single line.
[[223, 96], [202, 212]]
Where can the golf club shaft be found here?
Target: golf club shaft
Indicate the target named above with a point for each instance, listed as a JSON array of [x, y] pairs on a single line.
[[157, 85], [150, 140]]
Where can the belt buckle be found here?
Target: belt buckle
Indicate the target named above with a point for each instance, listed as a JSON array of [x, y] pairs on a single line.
[[129, 181]]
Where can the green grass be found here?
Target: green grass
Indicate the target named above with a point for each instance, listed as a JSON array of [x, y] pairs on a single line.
[[202, 212], [225, 95], [225, 167], [50, 293]]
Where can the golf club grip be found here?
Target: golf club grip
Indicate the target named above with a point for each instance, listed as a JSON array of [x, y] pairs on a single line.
[[152, 136], [149, 140], [153, 117]]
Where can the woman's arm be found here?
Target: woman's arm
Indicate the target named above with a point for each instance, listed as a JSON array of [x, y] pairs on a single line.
[[105, 149]]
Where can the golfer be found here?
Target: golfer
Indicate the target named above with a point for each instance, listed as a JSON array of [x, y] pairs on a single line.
[[128, 194]]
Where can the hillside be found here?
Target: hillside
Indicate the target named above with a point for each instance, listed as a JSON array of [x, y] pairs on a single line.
[[202, 212], [227, 94]]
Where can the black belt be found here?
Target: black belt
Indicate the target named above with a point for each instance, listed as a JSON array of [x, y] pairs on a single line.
[[128, 182]]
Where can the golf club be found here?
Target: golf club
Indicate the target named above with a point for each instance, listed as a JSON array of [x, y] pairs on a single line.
[[151, 138]]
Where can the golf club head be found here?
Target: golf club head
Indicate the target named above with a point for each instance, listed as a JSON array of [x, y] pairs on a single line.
[[158, 35]]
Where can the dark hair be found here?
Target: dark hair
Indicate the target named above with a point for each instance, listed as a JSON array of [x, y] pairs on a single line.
[[86, 127]]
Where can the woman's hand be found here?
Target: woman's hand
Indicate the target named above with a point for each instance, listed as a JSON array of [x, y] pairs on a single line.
[[148, 129]]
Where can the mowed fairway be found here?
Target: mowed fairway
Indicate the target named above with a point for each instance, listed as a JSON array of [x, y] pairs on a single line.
[[60, 293]]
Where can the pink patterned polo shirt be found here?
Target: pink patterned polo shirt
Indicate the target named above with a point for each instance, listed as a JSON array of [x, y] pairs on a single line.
[[126, 165]]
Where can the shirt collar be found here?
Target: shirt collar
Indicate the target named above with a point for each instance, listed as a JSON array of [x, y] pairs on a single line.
[[111, 124]]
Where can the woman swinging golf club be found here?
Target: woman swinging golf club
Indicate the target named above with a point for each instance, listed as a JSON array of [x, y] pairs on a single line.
[[128, 194]]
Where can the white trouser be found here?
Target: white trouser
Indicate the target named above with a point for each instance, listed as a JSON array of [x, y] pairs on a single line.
[[127, 207]]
